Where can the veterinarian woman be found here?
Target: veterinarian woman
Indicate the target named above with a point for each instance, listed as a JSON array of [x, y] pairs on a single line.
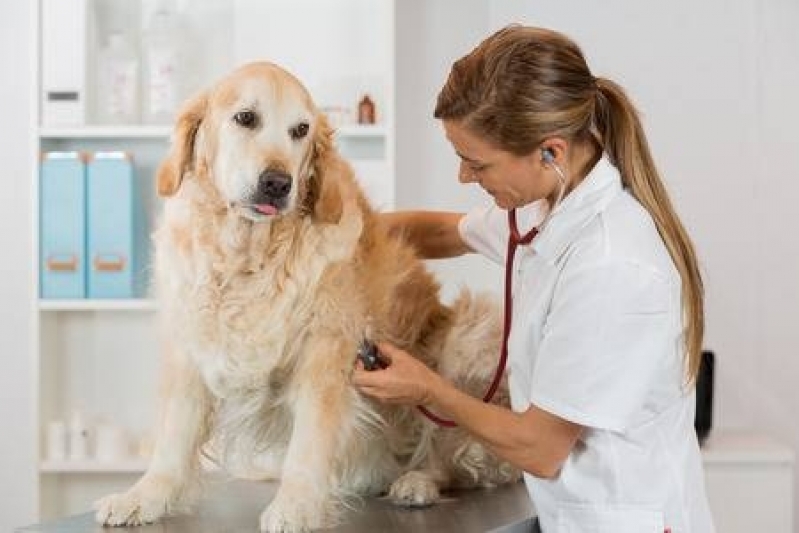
[[606, 309]]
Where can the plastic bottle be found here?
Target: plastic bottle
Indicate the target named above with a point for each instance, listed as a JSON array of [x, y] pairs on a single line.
[[162, 59], [118, 92]]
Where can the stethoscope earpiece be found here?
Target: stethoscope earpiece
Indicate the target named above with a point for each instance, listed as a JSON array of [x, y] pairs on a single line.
[[548, 156]]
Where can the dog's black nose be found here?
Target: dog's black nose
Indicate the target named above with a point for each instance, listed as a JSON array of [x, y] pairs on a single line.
[[274, 183]]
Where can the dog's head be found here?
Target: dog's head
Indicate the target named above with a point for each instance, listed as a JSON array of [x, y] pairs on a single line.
[[255, 140]]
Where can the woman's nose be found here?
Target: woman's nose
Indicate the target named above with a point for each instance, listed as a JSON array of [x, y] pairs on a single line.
[[466, 175]]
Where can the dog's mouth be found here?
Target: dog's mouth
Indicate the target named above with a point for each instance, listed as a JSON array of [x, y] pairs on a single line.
[[265, 209], [258, 211]]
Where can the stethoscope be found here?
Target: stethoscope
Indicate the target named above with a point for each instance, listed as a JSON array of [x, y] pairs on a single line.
[[514, 241]]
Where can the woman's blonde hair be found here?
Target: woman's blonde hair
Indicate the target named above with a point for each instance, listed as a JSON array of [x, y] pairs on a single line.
[[523, 85]]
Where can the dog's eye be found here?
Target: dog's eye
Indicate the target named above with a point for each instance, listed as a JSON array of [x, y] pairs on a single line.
[[246, 118], [299, 131]]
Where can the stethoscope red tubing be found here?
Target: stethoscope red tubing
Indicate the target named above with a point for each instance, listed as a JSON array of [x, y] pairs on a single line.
[[514, 240]]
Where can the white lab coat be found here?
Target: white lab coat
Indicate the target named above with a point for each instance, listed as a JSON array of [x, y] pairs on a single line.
[[597, 339]]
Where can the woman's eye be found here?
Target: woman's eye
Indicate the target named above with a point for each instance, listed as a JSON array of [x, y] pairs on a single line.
[[299, 131], [477, 168], [247, 119]]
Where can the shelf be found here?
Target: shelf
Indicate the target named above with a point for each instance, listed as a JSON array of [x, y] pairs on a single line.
[[163, 132], [360, 130], [106, 132], [134, 465], [730, 446], [139, 304], [90, 466]]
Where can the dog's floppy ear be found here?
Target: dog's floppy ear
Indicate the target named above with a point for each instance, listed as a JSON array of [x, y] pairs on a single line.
[[323, 150], [322, 160], [332, 182], [170, 173]]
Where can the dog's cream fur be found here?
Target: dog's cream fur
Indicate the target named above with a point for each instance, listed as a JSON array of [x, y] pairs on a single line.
[[262, 315]]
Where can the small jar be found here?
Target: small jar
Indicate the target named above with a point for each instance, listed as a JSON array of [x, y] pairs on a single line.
[[366, 110]]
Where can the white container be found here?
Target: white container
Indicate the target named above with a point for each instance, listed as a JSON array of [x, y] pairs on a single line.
[[163, 65], [111, 443], [56, 440], [64, 36], [118, 82], [78, 438]]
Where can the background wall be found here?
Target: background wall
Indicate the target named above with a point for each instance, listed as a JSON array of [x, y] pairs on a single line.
[[17, 444], [716, 83]]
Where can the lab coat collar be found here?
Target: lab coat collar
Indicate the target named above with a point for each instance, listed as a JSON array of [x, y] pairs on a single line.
[[576, 210]]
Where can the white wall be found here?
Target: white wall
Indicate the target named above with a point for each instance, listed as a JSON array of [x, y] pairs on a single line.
[[17, 407], [430, 35], [716, 82]]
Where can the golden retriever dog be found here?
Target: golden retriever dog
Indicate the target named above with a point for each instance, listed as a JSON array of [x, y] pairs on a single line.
[[270, 268]]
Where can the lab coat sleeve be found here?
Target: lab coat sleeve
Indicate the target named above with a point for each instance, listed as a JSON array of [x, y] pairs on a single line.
[[609, 341], [485, 230]]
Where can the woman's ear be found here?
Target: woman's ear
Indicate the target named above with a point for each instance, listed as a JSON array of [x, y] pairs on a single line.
[[181, 154]]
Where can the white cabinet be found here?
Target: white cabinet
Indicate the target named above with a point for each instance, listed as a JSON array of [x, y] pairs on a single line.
[[749, 480], [100, 357]]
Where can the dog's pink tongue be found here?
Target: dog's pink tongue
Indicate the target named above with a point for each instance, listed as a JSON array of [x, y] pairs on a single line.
[[266, 209]]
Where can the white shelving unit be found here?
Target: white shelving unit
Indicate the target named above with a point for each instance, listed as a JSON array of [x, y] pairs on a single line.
[[377, 131], [130, 466], [100, 357], [133, 304], [105, 132]]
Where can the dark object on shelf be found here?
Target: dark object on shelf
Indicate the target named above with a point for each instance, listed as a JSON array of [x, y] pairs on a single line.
[[366, 110], [703, 420]]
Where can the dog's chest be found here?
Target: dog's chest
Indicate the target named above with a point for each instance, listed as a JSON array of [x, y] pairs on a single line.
[[242, 324], [242, 299]]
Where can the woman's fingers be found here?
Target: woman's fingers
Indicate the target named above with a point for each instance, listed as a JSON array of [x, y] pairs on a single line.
[[364, 378], [387, 351], [404, 379]]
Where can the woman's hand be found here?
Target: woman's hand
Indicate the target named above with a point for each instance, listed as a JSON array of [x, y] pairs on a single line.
[[405, 380]]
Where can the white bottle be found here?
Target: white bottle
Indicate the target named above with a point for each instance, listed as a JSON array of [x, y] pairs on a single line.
[[163, 67], [78, 438], [118, 92], [56, 440]]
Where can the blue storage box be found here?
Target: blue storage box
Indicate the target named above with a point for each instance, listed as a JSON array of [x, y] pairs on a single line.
[[62, 227], [113, 228]]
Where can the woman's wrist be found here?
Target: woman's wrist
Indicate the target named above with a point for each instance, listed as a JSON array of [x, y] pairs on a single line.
[[436, 389]]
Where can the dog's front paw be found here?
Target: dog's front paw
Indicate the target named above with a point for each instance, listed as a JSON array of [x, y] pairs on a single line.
[[294, 513], [145, 503], [414, 489]]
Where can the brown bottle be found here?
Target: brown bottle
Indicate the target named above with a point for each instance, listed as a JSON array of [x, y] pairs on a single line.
[[366, 110]]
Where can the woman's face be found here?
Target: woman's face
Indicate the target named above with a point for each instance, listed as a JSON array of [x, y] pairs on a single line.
[[513, 181]]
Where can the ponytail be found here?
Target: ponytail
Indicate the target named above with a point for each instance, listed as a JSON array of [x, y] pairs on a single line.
[[619, 131]]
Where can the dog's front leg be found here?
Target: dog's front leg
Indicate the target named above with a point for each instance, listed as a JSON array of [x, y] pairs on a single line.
[[323, 422], [166, 486]]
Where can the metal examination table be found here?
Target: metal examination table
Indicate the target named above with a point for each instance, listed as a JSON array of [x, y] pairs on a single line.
[[235, 506]]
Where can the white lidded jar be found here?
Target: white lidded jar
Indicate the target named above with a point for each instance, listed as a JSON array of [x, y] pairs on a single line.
[[163, 65], [118, 89], [78, 438]]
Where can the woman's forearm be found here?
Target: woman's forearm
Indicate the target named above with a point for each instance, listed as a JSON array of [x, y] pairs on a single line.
[[535, 441], [434, 234]]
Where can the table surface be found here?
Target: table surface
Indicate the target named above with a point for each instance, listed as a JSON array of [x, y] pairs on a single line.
[[234, 506]]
